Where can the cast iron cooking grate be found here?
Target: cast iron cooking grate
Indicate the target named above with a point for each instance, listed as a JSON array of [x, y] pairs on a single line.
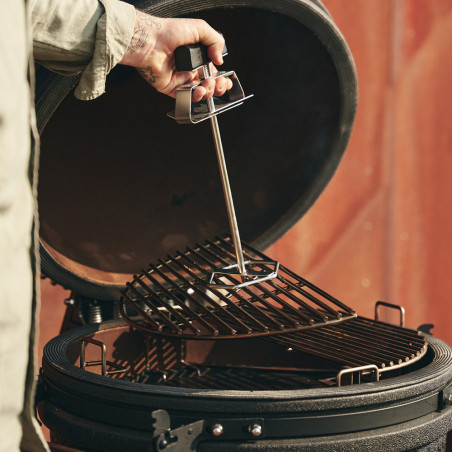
[[174, 298], [360, 342]]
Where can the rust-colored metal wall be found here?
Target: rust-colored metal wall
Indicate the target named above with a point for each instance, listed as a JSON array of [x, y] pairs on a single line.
[[382, 228]]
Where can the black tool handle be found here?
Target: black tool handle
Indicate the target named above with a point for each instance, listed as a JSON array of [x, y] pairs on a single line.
[[191, 57]]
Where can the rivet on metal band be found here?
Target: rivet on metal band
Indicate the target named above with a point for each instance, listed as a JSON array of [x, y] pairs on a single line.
[[217, 430], [255, 430]]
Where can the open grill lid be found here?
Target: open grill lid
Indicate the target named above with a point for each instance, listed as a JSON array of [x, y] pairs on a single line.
[[122, 185]]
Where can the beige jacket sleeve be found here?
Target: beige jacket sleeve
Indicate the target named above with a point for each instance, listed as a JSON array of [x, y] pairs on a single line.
[[82, 36]]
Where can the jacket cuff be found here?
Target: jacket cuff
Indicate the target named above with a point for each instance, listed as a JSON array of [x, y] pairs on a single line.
[[114, 33]]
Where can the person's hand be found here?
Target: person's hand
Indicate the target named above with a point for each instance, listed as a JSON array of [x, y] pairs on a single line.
[[152, 47]]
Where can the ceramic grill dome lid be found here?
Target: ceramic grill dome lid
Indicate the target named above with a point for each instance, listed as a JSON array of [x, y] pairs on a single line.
[[121, 184]]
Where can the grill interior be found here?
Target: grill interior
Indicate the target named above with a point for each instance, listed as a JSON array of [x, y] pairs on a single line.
[[364, 349], [173, 298], [227, 378]]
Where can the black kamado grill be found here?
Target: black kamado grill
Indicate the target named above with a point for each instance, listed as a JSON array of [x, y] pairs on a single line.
[[163, 359]]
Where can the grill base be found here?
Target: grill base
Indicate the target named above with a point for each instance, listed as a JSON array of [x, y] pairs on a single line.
[[425, 434], [94, 412]]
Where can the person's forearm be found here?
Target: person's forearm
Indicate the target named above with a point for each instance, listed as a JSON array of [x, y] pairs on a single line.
[[143, 40]]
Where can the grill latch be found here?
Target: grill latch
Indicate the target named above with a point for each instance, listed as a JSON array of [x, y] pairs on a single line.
[[187, 437], [181, 439]]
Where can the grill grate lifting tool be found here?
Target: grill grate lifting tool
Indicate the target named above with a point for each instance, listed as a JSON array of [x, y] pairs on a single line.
[[194, 57]]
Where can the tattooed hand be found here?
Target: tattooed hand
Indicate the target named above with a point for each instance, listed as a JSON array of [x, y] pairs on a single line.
[[151, 52]]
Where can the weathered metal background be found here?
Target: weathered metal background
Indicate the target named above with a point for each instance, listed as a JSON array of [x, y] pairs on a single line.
[[382, 228]]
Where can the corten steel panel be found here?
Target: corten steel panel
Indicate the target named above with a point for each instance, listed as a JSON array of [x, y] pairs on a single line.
[[382, 228]]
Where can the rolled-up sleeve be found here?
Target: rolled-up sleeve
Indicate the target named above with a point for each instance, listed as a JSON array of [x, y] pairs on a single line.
[[82, 36]]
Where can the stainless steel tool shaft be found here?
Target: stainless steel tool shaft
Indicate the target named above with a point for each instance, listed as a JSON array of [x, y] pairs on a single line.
[[225, 180]]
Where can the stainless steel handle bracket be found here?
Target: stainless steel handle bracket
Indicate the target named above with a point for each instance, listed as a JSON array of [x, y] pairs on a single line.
[[401, 309], [360, 370], [103, 360], [187, 112]]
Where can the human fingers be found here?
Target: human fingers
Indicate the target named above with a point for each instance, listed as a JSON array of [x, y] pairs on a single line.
[[216, 86], [209, 85], [212, 39], [198, 93], [168, 81], [222, 85]]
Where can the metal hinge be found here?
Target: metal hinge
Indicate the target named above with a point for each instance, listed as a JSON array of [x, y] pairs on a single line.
[[181, 439]]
